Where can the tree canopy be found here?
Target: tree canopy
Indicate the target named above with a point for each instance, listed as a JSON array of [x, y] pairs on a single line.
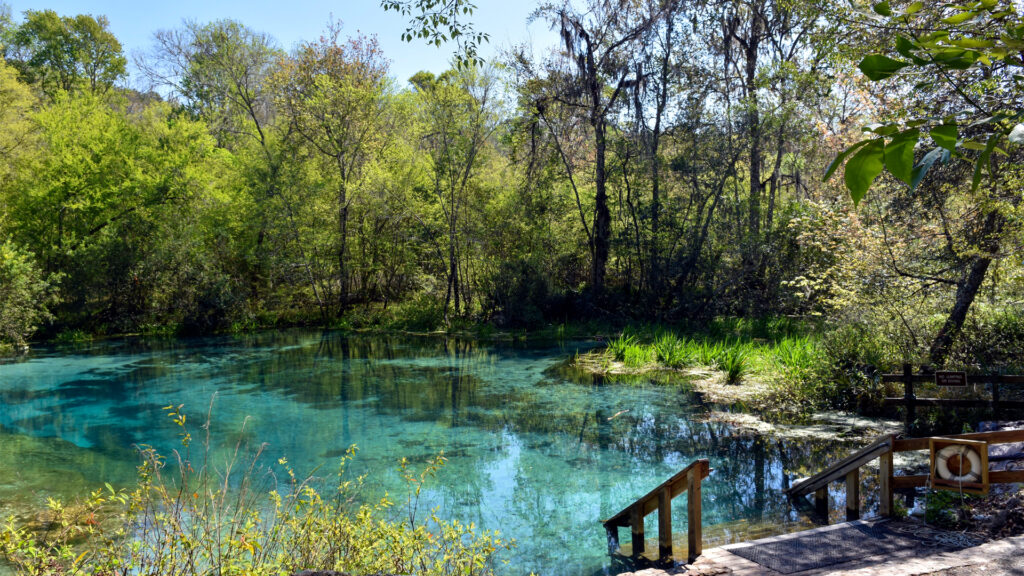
[[668, 161]]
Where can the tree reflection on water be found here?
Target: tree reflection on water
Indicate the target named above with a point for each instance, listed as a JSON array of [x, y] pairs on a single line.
[[534, 450]]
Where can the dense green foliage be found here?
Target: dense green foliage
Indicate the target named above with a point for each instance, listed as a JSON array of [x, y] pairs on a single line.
[[25, 296], [665, 162]]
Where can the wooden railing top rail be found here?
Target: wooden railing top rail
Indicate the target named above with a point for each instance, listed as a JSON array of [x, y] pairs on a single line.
[[883, 449], [649, 502], [840, 469], [994, 477], [996, 437], [971, 378]]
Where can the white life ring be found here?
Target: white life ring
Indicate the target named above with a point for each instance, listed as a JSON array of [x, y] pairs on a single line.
[[963, 451]]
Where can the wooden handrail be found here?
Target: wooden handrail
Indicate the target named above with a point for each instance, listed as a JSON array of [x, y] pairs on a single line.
[[676, 482], [994, 477], [883, 448], [971, 378], [995, 437], [840, 469], [686, 480], [848, 469]]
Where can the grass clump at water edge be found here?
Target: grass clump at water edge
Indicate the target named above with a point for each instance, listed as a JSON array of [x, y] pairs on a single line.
[[771, 350], [733, 361], [188, 517]]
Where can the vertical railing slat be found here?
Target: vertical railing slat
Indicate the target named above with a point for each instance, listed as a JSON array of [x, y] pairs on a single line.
[[885, 474], [660, 499], [821, 501], [665, 523], [853, 494], [693, 526], [636, 525]]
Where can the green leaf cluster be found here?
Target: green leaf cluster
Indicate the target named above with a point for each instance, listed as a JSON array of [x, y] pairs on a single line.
[[985, 34]]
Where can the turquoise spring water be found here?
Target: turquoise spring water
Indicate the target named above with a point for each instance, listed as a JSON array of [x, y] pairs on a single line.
[[534, 450]]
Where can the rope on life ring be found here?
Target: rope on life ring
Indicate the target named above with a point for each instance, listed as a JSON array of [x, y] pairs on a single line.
[[963, 451]]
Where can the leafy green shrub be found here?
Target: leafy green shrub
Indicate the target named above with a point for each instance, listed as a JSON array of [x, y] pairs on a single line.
[[766, 328], [992, 340], [854, 344], [424, 311], [664, 344], [520, 294], [25, 294], [213, 303], [202, 518], [796, 353], [171, 329], [837, 370], [73, 336], [944, 508]]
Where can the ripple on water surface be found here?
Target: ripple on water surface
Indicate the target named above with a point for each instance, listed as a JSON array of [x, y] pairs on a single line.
[[531, 452]]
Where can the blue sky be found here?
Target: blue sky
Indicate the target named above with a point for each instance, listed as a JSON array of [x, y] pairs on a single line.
[[293, 21]]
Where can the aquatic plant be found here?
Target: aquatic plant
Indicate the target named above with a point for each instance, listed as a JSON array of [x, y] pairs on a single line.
[[636, 356], [617, 347], [672, 351], [800, 353], [72, 337], [707, 353], [734, 361]]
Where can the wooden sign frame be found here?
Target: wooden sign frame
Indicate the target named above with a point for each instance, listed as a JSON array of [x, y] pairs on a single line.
[[936, 445]]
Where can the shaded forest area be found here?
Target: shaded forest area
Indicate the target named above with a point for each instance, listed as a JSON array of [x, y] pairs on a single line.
[[664, 164]]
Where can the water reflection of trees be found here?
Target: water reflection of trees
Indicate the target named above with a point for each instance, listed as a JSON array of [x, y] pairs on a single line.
[[526, 445], [454, 382]]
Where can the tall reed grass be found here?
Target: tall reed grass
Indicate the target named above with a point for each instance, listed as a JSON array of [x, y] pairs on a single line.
[[733, 346]]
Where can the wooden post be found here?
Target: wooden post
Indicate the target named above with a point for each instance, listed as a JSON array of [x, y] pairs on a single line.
[[636, 524], [853, 494], [909, 399], [821, 501], [885, 474], [665, 524], [613, 537], [694, 538]]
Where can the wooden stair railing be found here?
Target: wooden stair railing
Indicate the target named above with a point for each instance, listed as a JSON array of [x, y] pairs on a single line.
[[883, 448], [686, 480], [994, 477], [849, 468]]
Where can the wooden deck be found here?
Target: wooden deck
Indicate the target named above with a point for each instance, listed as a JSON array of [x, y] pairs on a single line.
[[911, 561], [884, 546]]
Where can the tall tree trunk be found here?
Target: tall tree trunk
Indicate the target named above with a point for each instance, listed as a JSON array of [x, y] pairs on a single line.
[[654, 268], [602, 216], [967, 289], [754, 134], [453, 258], [342, 246]]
